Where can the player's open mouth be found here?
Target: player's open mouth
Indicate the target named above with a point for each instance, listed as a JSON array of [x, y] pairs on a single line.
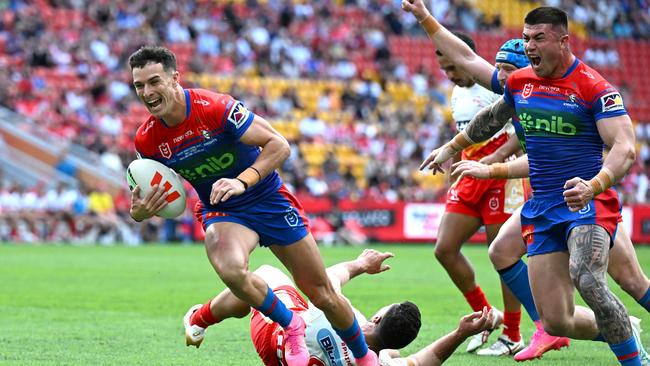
[[535, 60], [154, 103]]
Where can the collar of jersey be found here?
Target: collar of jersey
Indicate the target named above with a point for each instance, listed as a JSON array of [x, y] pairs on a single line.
[[188, 107], [570, 70]]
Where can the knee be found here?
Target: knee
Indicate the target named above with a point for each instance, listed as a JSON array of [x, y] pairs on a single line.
[[233, 275], [445, 254], [321, 295], [497, 255]]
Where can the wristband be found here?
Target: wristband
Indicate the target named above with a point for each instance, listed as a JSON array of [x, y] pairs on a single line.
[[430, 25], [499, 171], [603, 180], [249, 177], [460, 142], [244, 183]]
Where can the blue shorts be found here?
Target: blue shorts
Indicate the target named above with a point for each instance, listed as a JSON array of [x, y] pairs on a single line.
[[278, 219], [546, 223]]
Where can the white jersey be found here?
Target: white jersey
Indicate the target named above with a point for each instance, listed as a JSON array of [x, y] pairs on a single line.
[[322, 341], [466, 102]]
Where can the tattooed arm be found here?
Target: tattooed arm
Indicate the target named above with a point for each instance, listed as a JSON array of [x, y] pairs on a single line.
[[484, 125]]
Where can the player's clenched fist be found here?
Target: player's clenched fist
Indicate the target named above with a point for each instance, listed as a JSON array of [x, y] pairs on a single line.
[[416, 7], [577, 194], [225, 188]]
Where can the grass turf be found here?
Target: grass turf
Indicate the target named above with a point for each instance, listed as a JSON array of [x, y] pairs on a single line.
[[64, 305]]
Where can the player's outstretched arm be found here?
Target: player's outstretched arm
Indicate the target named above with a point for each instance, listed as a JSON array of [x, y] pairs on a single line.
[[439, 351], [618, 134], [275, 150], [484, 125], [369, 261], [451, 46], [517, 168]]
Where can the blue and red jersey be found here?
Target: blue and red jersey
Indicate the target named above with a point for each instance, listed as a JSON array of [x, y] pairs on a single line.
[[206, 147], [559, 117]]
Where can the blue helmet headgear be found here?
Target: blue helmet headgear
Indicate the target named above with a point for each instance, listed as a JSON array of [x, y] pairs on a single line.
[[512, 52]]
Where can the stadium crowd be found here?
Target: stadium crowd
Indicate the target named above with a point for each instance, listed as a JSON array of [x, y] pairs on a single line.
[[64, 68]]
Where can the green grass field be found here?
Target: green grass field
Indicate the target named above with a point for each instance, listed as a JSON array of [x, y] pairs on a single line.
[[63, 305]]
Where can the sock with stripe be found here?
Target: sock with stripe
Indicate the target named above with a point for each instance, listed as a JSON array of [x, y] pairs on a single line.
[[516, 278], [354, 339], [511, 321], [203, 317], [275, 310], [476, 299], [627, 352], [645, 300]]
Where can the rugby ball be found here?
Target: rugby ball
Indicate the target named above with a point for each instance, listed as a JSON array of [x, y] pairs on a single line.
[[146, 173]]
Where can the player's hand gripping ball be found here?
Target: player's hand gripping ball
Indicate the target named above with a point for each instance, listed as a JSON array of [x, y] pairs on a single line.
[[147, 173]]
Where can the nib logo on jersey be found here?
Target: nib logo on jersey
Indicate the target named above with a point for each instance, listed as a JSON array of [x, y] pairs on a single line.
[[543, 123], [209, 168]]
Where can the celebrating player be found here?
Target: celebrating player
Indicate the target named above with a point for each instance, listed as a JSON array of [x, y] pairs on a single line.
[[230, 156], [570, 222], [472, 203], [508, 248], [393, 326]]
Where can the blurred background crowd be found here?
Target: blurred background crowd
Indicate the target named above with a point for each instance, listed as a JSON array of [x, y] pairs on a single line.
[[353, 85]]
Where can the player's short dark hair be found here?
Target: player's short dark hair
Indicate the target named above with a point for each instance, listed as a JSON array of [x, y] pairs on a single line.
[[399, 326], [155, 55], [548, 15], [465, 38]]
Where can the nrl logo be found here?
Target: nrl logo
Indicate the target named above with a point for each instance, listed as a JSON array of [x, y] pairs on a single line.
[[528, 90], [165, 150]]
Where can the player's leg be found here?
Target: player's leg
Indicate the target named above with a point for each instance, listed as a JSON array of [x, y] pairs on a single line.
[[589, 254], [303, 260], [506, 252], [625, 269], [228, 246], [553, 291], [455, 229], [510, 341]]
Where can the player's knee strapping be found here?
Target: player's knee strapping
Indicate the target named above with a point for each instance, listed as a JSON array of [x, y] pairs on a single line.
[[516, 278]]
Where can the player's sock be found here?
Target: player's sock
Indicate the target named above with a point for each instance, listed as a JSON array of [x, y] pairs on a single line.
[[645, 300], [516, 278], [354, 339], [274, 309], [511, 321], [204, 317], [476, 299], [627, 352]]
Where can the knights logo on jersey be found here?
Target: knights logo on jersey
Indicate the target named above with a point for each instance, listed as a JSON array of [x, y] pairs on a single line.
[[238, 115], [165, 150], [206, 134], [528, 90], [612, 102]]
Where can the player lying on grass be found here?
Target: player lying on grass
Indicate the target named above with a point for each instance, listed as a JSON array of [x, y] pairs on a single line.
[[439, 351], [394, 326]]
